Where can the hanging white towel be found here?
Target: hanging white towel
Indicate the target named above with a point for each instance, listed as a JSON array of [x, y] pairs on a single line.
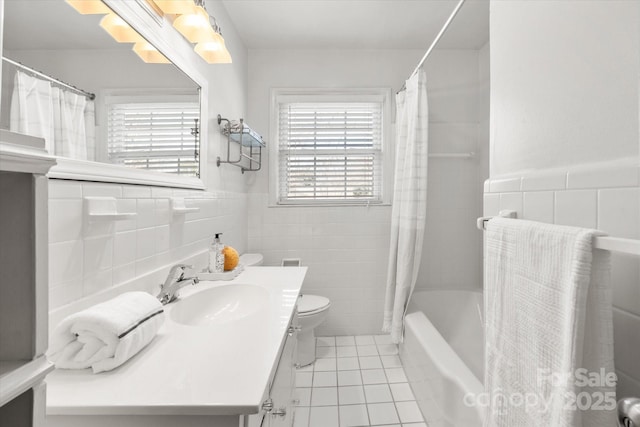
[[106, 335], [409, 211], [32, 109], [548, 315]]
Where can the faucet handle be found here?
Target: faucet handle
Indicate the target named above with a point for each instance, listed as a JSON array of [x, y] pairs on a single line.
[[182, 268]]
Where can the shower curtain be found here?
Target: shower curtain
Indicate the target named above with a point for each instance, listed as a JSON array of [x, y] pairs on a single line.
[[31, 112], [64, 119], [409, 201]]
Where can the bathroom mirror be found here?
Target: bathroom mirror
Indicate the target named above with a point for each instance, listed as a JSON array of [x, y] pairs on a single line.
[[144, 116]]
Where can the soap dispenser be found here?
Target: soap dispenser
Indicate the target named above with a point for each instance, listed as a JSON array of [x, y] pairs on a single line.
[[216, 256]]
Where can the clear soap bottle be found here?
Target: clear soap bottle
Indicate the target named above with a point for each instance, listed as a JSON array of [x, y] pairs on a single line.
[[216, 256]]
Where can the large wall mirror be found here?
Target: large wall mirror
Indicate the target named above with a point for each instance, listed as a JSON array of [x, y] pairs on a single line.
[[146, 110]]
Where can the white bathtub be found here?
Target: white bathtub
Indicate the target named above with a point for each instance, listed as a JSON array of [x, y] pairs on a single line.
[[443, 353]]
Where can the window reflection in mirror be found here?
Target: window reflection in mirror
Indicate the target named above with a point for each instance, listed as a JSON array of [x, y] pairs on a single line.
[[144, 115]]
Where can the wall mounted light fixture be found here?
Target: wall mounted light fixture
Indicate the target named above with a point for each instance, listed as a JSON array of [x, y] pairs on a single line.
[[197, 26], [175, 7], [119, 29], [89, 7], [149, 54], [189, 17], [121, 32]]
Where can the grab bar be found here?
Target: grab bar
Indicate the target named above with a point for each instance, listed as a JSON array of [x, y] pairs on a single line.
[[629, 412]]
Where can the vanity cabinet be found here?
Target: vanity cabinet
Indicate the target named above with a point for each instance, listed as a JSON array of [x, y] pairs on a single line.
[[23, 288], [283, 386], [274, 409]]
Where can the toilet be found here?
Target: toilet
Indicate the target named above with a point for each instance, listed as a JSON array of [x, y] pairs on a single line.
[[251, 259], [312, 310]]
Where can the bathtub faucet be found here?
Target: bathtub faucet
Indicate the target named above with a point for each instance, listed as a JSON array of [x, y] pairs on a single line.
[[175, 280]]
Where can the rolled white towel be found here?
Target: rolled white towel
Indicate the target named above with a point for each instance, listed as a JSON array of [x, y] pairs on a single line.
[[108, 334]]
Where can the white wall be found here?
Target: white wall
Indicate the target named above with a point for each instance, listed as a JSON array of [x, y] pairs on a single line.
[[227, 97], [564, 128], [89, 259], [565, 86], [346, 248]]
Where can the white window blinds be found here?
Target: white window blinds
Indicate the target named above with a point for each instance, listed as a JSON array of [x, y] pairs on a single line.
[[154, 136], [330, 152]]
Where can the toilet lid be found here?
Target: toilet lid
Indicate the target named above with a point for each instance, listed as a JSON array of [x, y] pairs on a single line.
[[310, 303]]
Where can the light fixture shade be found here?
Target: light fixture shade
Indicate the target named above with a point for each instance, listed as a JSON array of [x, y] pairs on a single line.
[[119, 29], [89, 7], [195, 27], [213, 52], [149, 54], [176, 7]]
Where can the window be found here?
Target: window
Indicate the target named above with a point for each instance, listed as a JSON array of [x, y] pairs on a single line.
[[330, 151], [162, 137]]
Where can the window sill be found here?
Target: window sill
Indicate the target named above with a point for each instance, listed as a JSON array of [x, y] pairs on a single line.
[[80, 170]]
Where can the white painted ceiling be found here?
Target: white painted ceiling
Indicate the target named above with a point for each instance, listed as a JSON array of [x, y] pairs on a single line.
[[358, 24], [302, 24]]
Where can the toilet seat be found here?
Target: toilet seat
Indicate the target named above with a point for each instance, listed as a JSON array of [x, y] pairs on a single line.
[[312, 304]]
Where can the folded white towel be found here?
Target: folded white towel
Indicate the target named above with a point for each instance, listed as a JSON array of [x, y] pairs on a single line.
[[548, 315], [106, 335]]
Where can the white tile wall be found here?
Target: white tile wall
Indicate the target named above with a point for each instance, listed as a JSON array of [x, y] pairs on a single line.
[[538, 206], [345, 248], [88, 258], [577, 208], [596, 204]]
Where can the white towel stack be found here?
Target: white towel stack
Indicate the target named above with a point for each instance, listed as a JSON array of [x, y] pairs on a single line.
[[548, 314], [106, 335]]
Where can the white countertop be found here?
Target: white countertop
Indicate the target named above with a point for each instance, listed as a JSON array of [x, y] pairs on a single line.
[[189, 370]]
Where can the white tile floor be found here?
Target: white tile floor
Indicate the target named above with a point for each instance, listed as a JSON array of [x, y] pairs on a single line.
[[355, 381]]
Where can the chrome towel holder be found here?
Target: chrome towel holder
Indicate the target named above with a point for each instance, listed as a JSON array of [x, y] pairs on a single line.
[[615, 244]]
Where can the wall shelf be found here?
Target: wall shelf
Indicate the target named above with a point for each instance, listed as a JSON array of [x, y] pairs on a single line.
[[249, 141], [105, 209], [179, 207]]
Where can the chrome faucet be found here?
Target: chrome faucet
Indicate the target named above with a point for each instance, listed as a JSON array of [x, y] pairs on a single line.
[[175, 280]]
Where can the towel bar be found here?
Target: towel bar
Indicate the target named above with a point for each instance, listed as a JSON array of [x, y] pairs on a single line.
[[615, 244]]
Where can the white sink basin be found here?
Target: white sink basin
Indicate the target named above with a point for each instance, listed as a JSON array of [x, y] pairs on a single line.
[[219, 305]]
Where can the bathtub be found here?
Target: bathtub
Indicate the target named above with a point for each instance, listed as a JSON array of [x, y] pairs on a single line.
[[442, 353]]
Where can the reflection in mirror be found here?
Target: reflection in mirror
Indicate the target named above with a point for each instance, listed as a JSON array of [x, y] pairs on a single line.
[[145, 113]]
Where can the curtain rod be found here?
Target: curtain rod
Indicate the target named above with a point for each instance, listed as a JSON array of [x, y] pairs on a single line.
[[437, 39], [89, 95]]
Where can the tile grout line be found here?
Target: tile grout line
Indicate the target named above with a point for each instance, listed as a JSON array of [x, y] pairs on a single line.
[[362, 386]]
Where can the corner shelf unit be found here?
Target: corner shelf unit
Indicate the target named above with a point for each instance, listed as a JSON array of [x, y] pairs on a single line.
[[249, 141], [24, 307]]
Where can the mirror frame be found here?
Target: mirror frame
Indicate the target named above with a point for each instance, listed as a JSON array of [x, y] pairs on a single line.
[[167, 40]]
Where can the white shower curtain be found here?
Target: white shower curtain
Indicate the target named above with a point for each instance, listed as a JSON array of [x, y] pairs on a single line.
[[69, 124], [31, 110], [409, 201], [64, 119]]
